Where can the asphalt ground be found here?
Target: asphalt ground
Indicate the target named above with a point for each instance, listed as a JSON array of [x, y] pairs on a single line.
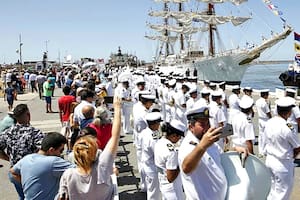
[[128, 179]]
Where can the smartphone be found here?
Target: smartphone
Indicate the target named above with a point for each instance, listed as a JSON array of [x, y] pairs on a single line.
[[226, 131]]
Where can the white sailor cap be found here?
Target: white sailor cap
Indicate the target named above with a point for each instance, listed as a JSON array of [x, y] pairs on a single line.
[[193, 89], [236, 87], [205, 91], [248, 89], [246, 102], [177, 127], [123, 80], [285, 102], [172, 82], [153, 117], [222, 83], [140, 80], [148, 97], [110, 76], [264, 91], [212, 84], [198, 111], [206, 81], [186, 85], [290, 90], [216, 93]]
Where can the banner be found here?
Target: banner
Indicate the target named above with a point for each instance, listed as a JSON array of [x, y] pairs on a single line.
[[274, 9], [297, 36]]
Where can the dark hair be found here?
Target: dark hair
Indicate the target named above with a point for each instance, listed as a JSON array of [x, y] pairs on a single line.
[[283, 110], [215, 98], [20, 109], [67, 90], [264, 94], [53, 139], [84, 94], [246, 110], [87, 131]]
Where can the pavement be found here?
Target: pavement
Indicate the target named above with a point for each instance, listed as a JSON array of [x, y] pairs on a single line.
[[128, 179]]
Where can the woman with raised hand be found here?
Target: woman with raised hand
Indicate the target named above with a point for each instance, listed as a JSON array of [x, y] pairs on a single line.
[[91, 179]]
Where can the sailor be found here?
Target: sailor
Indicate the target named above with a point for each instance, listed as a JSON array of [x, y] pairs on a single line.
[[149, 137], [199, 158], [139, 113], [205, 97], [160, 91], [221, 87], [180, 103], [264, 114], [193, 97], [281, 147], [140, 86], [243, 128], [248, 94], [125, 94], [294, 118], [206, 84], [166, 161], [233, 102], [217, 116], [170, 109]]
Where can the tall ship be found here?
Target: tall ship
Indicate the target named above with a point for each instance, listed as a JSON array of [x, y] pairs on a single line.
[[214, 62]]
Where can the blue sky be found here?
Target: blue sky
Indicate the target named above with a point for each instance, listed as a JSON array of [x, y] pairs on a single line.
[[95, 28]]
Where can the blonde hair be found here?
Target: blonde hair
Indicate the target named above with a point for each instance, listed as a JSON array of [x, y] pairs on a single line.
[[85, 150]]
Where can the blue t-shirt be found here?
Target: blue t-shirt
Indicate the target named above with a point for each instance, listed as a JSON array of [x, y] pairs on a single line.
[[41, 175]]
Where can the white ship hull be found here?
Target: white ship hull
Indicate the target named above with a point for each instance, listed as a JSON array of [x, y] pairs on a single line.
[[221, 68]]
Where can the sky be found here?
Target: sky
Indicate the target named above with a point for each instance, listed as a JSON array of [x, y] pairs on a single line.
[[96, 28]]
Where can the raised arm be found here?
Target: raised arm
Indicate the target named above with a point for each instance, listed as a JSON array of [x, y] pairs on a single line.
[[113, 143]]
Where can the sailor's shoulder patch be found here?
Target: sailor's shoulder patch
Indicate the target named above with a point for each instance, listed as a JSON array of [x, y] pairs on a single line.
[[193, 143], [290, 126], [170, 147]]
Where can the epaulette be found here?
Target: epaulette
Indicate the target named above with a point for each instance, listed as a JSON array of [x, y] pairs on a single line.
[[193, 143], [156, 135], [170, 147], [290, 126]]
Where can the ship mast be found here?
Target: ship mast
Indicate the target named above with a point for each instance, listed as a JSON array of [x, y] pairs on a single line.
[[166, 34], [211, 28], [181, 25]]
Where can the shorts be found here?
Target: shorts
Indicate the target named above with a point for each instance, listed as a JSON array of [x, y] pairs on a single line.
[[48, 100]]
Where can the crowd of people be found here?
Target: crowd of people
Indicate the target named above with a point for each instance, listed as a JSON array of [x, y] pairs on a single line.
[[176, 126]]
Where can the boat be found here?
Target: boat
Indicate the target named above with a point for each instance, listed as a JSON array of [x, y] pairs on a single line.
[[227, 65], [120, 59]]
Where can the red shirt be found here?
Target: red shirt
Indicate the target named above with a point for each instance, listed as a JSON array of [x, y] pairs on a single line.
[[103, 134], [64, 105]]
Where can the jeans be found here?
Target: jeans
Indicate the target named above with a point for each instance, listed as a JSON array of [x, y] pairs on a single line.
[[17, 185]]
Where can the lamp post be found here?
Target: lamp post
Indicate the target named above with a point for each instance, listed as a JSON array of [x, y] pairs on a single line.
[[46, 42], [20, 52]]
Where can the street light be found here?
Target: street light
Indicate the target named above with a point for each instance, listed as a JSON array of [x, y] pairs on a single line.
[[19, 51], [46, 42]]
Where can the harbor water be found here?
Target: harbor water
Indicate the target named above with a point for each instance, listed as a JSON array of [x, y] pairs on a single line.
[[264, 76]]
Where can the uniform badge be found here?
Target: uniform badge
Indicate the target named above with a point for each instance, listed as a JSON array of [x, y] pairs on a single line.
[[249, 119], [170, 147], [290, 126], [193, 143]]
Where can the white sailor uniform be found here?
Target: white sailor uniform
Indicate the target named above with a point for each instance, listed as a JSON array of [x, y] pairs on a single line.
[[208, 180], [280, 142], [262, 107], [166, 157], [139, 113], [148, 141], [234, 108], [243, 129], [217, 116], [126, 110]]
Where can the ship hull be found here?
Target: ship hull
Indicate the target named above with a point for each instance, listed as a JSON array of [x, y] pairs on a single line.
[[222, 68]]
